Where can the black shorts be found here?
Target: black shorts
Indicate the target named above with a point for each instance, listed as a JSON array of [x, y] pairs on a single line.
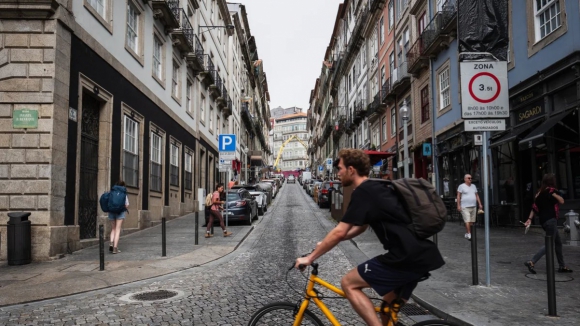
[[384, 279]]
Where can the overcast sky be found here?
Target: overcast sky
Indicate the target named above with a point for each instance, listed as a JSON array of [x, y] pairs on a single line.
[[292, 37]]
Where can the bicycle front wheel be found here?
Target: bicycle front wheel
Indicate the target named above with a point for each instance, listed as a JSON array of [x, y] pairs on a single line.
[[434, 322], [282, 313]]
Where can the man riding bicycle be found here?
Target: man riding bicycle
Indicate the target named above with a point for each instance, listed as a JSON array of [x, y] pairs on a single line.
[[408, 259]]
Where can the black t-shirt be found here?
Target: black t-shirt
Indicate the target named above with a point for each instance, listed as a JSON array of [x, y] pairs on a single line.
[[376, 204], [546, 204]]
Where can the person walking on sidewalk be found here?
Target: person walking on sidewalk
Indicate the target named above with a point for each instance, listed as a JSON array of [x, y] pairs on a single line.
[[546, 205], [117, 218], [215, 211], [467, 201]]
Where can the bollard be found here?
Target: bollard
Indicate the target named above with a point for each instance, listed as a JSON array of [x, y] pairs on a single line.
[[474, 270], [196, 228], [163, 251], [101, 247], [551, 276]]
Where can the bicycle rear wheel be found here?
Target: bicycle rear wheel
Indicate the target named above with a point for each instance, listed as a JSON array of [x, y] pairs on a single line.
[[282, 313], [434, 322]]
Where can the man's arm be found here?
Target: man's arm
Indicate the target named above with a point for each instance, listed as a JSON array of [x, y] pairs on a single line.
[[458, 200], [355, 230], [478, 201], [336, 235]]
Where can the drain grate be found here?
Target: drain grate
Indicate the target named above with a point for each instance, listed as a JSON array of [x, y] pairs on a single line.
[[411, 309], [154, 295]]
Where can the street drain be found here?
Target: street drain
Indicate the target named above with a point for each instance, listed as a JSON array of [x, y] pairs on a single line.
[[411, 309], [152, 296]]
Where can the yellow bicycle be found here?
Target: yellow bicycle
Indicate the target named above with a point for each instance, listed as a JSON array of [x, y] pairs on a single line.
[[288, 313]]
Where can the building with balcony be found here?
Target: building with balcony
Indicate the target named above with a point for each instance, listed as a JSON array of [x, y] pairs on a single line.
[[103, 90], [290, 138]]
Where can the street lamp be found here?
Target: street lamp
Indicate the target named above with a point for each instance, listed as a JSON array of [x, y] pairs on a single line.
[[404, 112], [214, 26]]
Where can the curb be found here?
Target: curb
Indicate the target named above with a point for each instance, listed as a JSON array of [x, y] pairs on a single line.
[[440, 313]]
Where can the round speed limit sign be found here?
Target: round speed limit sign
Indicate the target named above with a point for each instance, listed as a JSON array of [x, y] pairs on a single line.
[[484, 90]]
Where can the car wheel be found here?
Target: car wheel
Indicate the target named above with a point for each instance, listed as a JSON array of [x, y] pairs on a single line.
[[249, 220], [260, 211]]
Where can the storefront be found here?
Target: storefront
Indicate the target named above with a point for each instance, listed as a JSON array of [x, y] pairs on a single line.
[[543, 137]]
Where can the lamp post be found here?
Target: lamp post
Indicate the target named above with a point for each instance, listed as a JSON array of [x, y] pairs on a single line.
[[404, 112]]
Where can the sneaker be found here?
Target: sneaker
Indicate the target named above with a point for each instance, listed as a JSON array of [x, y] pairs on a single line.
[[208, 235], [564, 270], [465, 236], [227, 234], [469, 236], [530, 267], [116, 250]]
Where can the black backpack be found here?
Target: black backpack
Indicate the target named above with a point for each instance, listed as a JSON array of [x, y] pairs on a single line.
[[423, 205]]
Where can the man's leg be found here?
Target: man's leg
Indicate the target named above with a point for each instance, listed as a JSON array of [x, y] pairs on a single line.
[[352, 285], [465, 216]]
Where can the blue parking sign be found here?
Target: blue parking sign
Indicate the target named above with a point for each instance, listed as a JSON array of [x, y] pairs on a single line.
[[227, 143], [320, 168]]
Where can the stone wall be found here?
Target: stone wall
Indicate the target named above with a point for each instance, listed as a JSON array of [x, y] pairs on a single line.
[[34, 74]]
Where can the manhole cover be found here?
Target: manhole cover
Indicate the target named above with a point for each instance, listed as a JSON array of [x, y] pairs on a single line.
[[150, 296]]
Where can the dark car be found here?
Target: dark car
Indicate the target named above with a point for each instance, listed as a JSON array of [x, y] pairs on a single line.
[[257, 187], [325, 190], [241, 207]]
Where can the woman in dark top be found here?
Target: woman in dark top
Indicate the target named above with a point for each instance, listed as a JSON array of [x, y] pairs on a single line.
[[546, 205]]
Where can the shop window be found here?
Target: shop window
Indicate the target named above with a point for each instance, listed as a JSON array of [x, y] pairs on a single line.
[[188, 175], [156, 162], [131, 153], [174, 162]]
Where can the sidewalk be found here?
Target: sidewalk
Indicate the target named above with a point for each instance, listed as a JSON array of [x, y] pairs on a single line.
[[140, 259], [515, 297]]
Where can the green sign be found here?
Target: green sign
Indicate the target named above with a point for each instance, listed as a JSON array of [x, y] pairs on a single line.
[[25, 119]]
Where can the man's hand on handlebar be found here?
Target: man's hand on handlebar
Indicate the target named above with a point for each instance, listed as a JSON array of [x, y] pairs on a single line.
[[302, 262]]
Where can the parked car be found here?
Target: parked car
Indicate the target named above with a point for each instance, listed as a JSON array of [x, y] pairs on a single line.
[[262, 201], [266, 189], [274, 184], [324, 192], [291, 179], [241, 206], [314, 191], [269, 188], [311, 184]]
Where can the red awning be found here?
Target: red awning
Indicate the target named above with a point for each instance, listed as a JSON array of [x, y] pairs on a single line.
[[376, 156]]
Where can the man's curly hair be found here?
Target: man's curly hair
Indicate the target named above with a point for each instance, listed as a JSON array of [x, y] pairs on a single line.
[[357, 159]]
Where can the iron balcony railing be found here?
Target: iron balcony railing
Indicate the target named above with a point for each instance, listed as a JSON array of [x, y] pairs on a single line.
[[449, 12], [229, 105], [402, 71], [432, 30], [224, 91], [386, 89], [186, 27], [197, 47], [415, 52], [218, 81], [208, 63], [174, 7]]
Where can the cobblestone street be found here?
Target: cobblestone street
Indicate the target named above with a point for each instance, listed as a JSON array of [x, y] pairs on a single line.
[[225, 292]]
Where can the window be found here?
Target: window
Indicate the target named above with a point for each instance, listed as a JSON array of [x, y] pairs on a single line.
[[421, 23], [188, 176], [391, 15], [382, 30], [384, 130], [99, 6], [393, 121], [548, 17], [425, 104], [156, 150], [383, 77], [132, 27], [210, 118], [174, 161], [401, 7], [157, 58], [188, 88], [444, 89], [131, 153], [202, 109], [175, 80], [217, 125]]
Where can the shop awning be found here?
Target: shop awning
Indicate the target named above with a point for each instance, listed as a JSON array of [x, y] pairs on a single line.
[[515, 133], [536, 137]]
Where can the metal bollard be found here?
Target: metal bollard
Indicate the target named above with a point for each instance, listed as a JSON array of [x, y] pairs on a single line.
[[196, 228], [163, 251], [551, 276], [101, 247], [474, 269]]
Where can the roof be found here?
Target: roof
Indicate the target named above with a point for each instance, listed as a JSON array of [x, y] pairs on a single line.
[[293, 115]]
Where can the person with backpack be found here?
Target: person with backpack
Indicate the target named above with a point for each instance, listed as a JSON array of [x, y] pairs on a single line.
[[118, 204], [547, 206], [408, 258], [216, 203]]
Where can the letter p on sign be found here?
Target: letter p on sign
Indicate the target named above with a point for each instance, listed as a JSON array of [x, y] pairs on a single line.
[[227, 143]]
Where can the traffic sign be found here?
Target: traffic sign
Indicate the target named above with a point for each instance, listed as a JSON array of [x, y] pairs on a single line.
[[484, 90], [320, 168], [225, 162], [227, 156], [484, 125], [227, 143]]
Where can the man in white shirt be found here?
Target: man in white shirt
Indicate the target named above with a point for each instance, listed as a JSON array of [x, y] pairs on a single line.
[[467, 201]]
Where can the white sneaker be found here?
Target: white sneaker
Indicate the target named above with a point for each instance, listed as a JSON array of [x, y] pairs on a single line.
[[465, 236], [468, 236]]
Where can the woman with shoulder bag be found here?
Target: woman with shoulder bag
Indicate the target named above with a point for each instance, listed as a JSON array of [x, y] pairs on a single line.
[[546, 206]]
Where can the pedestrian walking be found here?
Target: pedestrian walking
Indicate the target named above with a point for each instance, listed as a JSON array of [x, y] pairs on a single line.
[[117, 215], [467, 201], [547, 206], [215, 211]]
